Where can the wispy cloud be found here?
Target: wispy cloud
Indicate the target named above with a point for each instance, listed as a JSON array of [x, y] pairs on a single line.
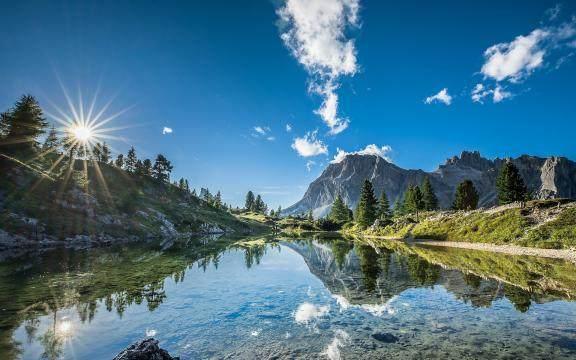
[[442, 96], [263, 132], [314, 31], [515, 61], [310, 164], [498, 93], [309, 145], [372, 149], [288, 128], [167, 130]]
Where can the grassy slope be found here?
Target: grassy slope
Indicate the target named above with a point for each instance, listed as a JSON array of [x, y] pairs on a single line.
[[508, 226], [137, 204]]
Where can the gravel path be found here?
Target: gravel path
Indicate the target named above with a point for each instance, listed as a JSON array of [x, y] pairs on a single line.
[[569, 255]]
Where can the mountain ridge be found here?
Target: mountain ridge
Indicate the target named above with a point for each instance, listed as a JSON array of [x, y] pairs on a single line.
[[550, 177]]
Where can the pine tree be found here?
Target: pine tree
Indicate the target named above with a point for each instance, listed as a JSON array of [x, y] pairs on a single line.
[[52, 142], [186, 185], [367, 206], [259, 205], [147, 167], [162, 169], [466, 197], [218, 200], [23, 125], [310, 215], [510, 184], [105, 155], [97, 152], [194, 193], [429, 199], [339, 212], [131, 159], [181, 184], [119, 161], [249, 203], [399, 206], [139, 168], [384, 213], [279, 211], [413, 200]]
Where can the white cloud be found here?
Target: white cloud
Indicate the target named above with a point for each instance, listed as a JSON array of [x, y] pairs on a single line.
[[260, 130], [314, 31], [310, 164], [308, 145], [516, 60], [288, 128], [166, 130], [552, 13], [371, 149], [263, 132], [442, 97], [480, 92]]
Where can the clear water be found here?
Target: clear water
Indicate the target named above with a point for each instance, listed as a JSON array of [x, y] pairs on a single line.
[[218, 298]]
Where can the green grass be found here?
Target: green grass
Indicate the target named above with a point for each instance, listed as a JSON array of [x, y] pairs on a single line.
[[510, 226], [133, 200]]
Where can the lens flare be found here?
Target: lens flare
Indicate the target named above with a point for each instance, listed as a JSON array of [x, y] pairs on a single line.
[[81, 133]]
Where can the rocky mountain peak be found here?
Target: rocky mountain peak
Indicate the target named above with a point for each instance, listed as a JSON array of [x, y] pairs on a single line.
[[551, 177]]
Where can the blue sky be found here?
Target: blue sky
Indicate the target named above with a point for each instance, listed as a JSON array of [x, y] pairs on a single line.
[[214, 71]]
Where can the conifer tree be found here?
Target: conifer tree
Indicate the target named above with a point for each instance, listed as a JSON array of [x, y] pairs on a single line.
[[119, 161], [279, 211], [186, 185], [131, 159], [367, 206], [310, 215], [181, 184], [105, 155], [23, 125], [162, 168], [249, 203], [510, 184], [139, 168], [429, 199], [194, 193], [466, 197], [259, 205], [147, 167], [52, 142], [339, 212], [384, 213], [218, 200], [413, 200], [399, 206]]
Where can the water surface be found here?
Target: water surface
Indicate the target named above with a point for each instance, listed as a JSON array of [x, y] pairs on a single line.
[[220, 298]]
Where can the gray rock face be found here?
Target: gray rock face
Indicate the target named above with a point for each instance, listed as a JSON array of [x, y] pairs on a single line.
[[552, 177], [146, 349]]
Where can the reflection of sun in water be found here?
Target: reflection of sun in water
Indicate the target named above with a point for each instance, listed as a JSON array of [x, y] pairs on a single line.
[[64, 327]]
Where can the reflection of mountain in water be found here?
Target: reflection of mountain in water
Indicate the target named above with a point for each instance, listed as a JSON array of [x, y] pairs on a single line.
[[366, 275]]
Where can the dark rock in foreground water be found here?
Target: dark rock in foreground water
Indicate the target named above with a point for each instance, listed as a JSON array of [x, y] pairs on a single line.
[[146, 349], [385, 337]]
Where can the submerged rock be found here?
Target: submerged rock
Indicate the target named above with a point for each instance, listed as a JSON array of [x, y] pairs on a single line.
[[146, 349], [385, 337]]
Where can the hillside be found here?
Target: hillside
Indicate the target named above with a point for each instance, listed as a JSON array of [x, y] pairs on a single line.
[[103, 204], [553, 177], [541, 224]]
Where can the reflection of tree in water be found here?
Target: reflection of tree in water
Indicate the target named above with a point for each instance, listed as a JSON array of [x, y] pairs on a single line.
[[340, 249], [472, 280], [369, 266], [519, 297], [423, 272], [254, 253]]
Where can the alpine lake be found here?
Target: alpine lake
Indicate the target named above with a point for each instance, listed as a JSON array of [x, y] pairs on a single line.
[[309, 298]]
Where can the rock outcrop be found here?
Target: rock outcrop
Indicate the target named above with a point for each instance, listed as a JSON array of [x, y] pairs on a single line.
[[146, 349], [553, 177]]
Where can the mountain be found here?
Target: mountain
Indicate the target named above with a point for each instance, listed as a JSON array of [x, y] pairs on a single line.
[[552, 177]]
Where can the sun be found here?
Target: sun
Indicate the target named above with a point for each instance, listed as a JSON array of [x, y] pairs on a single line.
[[81, 133]]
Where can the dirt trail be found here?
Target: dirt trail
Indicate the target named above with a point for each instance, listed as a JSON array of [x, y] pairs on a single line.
[[569, 255]]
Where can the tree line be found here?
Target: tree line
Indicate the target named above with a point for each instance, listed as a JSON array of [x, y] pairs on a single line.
[[509, 185]]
